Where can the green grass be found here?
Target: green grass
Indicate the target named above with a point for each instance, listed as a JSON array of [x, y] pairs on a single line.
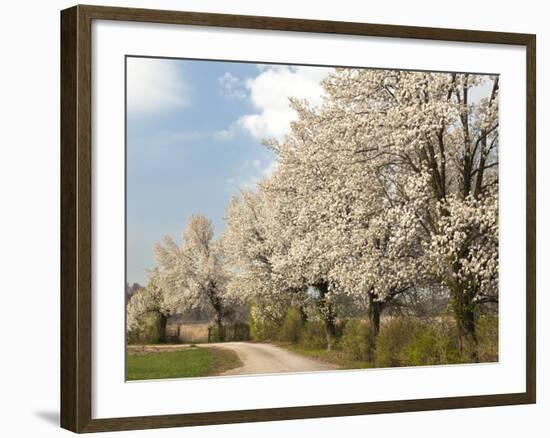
[[334, 356], [191, 362]]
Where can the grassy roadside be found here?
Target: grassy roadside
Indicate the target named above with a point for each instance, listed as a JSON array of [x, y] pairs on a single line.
[[190, 362], [334, 357]]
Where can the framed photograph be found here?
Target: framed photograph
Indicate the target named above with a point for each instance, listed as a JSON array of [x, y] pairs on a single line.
[[304, 218]]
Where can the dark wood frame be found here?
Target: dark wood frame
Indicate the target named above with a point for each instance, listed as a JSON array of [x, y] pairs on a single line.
[[76, 218]]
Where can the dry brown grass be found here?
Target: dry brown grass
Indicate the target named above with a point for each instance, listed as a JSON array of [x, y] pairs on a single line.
[[193, 333]]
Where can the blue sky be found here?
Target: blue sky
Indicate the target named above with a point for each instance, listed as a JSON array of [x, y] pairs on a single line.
[[194, 131]]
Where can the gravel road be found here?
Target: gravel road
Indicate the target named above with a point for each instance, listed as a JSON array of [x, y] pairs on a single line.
[[260, 358]]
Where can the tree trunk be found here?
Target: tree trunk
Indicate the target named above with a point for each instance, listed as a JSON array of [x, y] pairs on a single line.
[[465, 320], [375, 309], [303, 315], [217, 305], [330, 327], [219, 325], [327, 313], [464, 311], [163, 320]]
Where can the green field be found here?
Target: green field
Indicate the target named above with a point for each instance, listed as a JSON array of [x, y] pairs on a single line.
[[191, 362]]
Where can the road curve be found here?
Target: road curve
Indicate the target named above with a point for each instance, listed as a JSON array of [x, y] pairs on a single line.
[[259, 358]]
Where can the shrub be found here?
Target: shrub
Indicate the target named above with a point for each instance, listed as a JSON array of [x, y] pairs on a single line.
[[358, 340], [214, 334], [435, 343], [239, 331], [313, 335], [262, 329], [395, 336], [147, 331], [412, 342], [487, 338], [291, 329]]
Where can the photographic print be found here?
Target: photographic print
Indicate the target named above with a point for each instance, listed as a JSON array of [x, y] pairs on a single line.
[[295, 218]]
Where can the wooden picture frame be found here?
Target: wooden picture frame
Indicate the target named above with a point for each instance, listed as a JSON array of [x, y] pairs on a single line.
[[76, 217]]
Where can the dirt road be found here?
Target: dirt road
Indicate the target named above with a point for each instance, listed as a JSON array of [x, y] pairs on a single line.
[[267, 358]]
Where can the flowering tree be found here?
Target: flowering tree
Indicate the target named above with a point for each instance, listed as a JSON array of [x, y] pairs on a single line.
[[322, 209], [389, 185], [250, 241], [131, 290], [145, 300], [192, 275], [430, 141], [299, 234]]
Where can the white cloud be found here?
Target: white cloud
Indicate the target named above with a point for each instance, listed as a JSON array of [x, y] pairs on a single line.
[[250, 173], [225, 134], [270, 92], [155, 85], [231, 86]]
